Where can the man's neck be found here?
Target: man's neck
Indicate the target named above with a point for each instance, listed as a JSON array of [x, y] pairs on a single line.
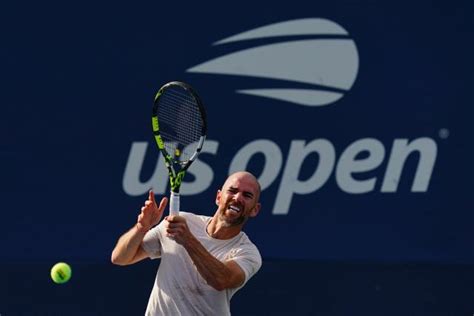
[[220, 230]]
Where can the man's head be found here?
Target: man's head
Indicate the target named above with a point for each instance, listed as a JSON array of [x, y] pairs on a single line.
[[238, 199]]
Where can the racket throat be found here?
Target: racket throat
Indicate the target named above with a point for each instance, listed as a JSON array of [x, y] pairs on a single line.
[[176, 179]]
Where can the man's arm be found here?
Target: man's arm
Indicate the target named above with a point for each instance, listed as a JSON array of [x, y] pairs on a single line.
[[129, 246], [128, 249], [220, 275]]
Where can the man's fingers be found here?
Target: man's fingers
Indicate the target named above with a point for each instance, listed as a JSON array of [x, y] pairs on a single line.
[[174, 231], [175, 219], [163, 203], [151, 196]]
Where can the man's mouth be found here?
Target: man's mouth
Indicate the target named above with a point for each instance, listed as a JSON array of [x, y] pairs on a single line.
[[234, 209]]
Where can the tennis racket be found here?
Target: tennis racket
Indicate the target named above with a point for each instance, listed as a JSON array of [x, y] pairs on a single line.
[[180, 127]]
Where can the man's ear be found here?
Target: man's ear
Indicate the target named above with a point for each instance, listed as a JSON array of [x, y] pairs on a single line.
[[255, 210], [218, 197]]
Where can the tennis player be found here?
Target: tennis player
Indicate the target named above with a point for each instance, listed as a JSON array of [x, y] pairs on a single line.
[[204, 260]]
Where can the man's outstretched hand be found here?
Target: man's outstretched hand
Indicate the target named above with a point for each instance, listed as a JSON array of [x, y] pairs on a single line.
[[151, 213]]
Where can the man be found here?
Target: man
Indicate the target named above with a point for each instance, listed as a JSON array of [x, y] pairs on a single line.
[[204, 260]]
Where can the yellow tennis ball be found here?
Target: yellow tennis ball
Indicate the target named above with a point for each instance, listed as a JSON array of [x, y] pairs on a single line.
[[61, 272]]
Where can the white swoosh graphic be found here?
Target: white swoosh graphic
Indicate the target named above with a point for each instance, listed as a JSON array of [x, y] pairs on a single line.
[[323, 62], [313, 26], [306, 97], [328, 63]]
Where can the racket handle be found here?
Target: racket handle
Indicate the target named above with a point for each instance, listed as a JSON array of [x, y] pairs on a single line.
[[174, 203]]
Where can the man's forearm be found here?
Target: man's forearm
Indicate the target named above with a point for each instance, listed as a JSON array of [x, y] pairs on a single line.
[[127, 246], [216, 273]]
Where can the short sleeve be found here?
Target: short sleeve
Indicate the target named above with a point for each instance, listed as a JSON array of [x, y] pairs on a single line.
[[152, 242], [248, 258]]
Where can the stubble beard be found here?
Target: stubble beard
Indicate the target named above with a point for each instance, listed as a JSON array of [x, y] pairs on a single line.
[[232, 222]]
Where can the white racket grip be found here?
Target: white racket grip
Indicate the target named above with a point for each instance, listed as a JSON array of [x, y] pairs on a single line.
[[174, 203]]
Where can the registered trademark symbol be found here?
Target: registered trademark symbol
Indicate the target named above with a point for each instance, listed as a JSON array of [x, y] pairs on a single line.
[[443, 133]]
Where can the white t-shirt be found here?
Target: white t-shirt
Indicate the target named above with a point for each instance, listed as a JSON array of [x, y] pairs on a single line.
[[179, 289]]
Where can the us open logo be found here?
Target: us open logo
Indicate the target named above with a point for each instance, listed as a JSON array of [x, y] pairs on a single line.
[[315, 63], [316, 52]]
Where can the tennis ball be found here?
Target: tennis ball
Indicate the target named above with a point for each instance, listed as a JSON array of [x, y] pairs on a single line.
[[61, 272]]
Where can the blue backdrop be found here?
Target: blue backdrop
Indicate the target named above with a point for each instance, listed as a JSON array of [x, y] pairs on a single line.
[[355, 115]]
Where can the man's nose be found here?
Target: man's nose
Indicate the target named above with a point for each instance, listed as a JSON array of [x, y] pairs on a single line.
[[238, 197]]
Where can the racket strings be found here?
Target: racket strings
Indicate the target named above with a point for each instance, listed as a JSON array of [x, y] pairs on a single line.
[[180, 123]]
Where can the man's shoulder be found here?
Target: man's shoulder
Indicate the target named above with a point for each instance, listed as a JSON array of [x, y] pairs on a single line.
[[194, 217], [244, 238]]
